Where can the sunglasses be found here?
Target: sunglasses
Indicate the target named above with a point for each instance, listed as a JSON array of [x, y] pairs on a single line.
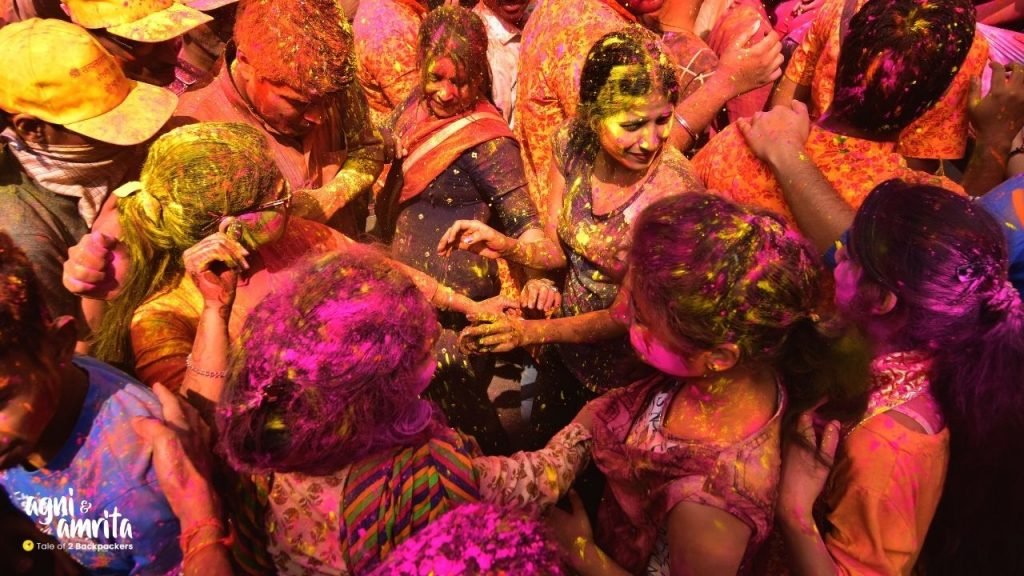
[[283, 203]]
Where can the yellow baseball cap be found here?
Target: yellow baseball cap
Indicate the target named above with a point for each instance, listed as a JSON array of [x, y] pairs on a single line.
[[59, 73], [140, 20], [207, 5]]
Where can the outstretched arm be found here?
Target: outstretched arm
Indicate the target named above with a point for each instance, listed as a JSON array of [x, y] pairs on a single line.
[[532, 249]]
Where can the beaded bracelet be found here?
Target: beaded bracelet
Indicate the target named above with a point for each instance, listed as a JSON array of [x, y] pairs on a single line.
[[207, 373], [686, 126]]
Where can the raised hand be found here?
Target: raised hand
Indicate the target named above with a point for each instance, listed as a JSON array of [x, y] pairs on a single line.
[[806, 463], [214, 262], [181, 458], [782, 130], [1000, 114], [90, 269], [751, 66]]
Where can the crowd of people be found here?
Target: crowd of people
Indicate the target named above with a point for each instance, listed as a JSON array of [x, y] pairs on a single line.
[[259, 260]]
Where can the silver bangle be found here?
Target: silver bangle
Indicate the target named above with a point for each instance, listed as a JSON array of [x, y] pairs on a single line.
[[686, 126], [205, 373]]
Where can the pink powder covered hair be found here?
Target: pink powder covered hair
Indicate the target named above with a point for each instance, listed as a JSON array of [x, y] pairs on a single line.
[[723, 273], [945, 259], [329, 370]]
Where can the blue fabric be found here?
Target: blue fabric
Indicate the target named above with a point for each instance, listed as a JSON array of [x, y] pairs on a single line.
[[1000, 204], [104, 468], [829, 257]]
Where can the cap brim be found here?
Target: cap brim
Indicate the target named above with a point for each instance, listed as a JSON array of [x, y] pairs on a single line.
[[136, 119], [207, 5], [168, 23]]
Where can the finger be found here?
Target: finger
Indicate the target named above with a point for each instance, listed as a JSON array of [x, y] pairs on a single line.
[[204, 257], [237, 252], [171, 406], [765, 45], [742, 38], [235, 246], [829, 441], [487, 318], [998, 80], [496, 343], [105, 240], [974, 92], [507, 303], [202, 261], [85, 274], [444, 244], [549, 301], [92, 254], [480, 330], [743, 125], [230, 227], [544, 300], [147, 428], [534, 297], [155, 433], [805, 427], [452, 234], [524, 298], [1017, 73], [800, 108], [224, 240]]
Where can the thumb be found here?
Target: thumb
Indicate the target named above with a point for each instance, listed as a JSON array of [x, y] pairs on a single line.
[[800, 108], [743, 37], [830, 441], [149, 429], [105, 240], [744, 126]]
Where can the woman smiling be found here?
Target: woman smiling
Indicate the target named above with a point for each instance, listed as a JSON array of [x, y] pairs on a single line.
[[611, 162], [459, 163]]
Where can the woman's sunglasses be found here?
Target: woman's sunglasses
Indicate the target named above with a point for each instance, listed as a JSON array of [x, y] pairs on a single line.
[[284, 203]]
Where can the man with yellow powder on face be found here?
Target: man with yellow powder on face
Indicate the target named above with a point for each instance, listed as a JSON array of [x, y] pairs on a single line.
[[290, 72]]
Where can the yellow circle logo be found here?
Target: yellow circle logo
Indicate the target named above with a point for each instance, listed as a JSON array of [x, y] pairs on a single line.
[[28, 545]]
